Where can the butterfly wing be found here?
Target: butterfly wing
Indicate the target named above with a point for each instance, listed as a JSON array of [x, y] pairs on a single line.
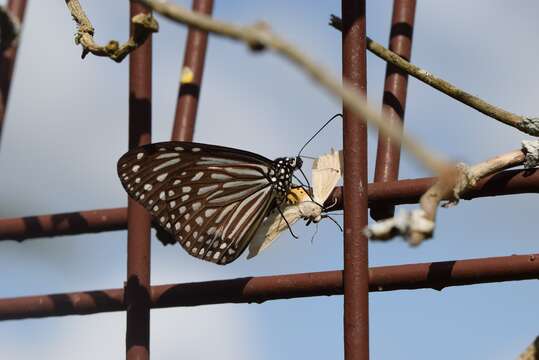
[[210, 198]]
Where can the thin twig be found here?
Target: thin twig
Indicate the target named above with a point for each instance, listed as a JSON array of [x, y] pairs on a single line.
[[9, 28], [451, 185], [528, 125], [145, 24], [259, 37]]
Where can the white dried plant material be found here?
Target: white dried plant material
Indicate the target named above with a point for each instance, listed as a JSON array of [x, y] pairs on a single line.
[[531, 151], [326, 172], [403, 224]]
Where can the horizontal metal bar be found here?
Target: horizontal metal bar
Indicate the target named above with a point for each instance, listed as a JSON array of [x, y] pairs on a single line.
[[436, 275], [81, 222], [398, 192]]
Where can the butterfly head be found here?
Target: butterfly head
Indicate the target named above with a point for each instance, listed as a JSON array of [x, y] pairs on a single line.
[[284, 167]]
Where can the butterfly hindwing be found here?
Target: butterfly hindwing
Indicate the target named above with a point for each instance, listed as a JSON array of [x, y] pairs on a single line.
[[210, 198]]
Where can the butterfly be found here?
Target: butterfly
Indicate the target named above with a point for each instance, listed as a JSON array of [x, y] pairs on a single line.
[[326, 172], [210, 198]]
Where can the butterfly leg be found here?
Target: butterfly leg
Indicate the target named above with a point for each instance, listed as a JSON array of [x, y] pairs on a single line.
[[287, 223]]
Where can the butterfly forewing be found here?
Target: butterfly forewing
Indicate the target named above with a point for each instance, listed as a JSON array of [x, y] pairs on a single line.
[[210, 198]]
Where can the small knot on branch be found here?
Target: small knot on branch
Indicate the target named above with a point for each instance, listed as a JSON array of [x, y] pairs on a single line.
[[112, 46], [145, 24], [260, 32]]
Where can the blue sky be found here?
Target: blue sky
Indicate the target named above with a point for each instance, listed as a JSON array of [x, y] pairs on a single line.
[[66, 126]]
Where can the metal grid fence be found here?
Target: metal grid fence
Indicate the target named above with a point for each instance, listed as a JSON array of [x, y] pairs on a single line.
[[354, 281]]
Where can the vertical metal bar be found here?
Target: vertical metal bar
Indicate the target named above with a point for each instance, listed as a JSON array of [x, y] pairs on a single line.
[[7, 59], [394, 100], [356, 272], [192, 71], [137, 294]]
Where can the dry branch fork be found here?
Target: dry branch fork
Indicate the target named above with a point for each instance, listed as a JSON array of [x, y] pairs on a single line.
[[145, 24], [419, 224]]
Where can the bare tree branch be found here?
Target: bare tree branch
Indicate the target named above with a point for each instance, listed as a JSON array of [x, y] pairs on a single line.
[[144, 25], [528, 125], [259, 37]]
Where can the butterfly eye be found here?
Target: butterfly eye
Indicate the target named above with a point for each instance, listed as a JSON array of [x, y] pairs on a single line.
[[292, 162]]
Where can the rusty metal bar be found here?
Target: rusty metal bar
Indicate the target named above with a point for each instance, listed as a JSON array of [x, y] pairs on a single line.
[[398, 192], [7, 59], [394, 99], [192, 71], [356, 262], [82, 222], [137, 287], [436, 275]]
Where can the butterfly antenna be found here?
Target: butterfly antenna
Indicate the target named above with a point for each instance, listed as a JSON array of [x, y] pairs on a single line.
[[305, 177], [334, 221], [287, 223], [318, 132], [315, 232]]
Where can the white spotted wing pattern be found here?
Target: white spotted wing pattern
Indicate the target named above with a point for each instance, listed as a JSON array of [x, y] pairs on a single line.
[[211, 199]]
